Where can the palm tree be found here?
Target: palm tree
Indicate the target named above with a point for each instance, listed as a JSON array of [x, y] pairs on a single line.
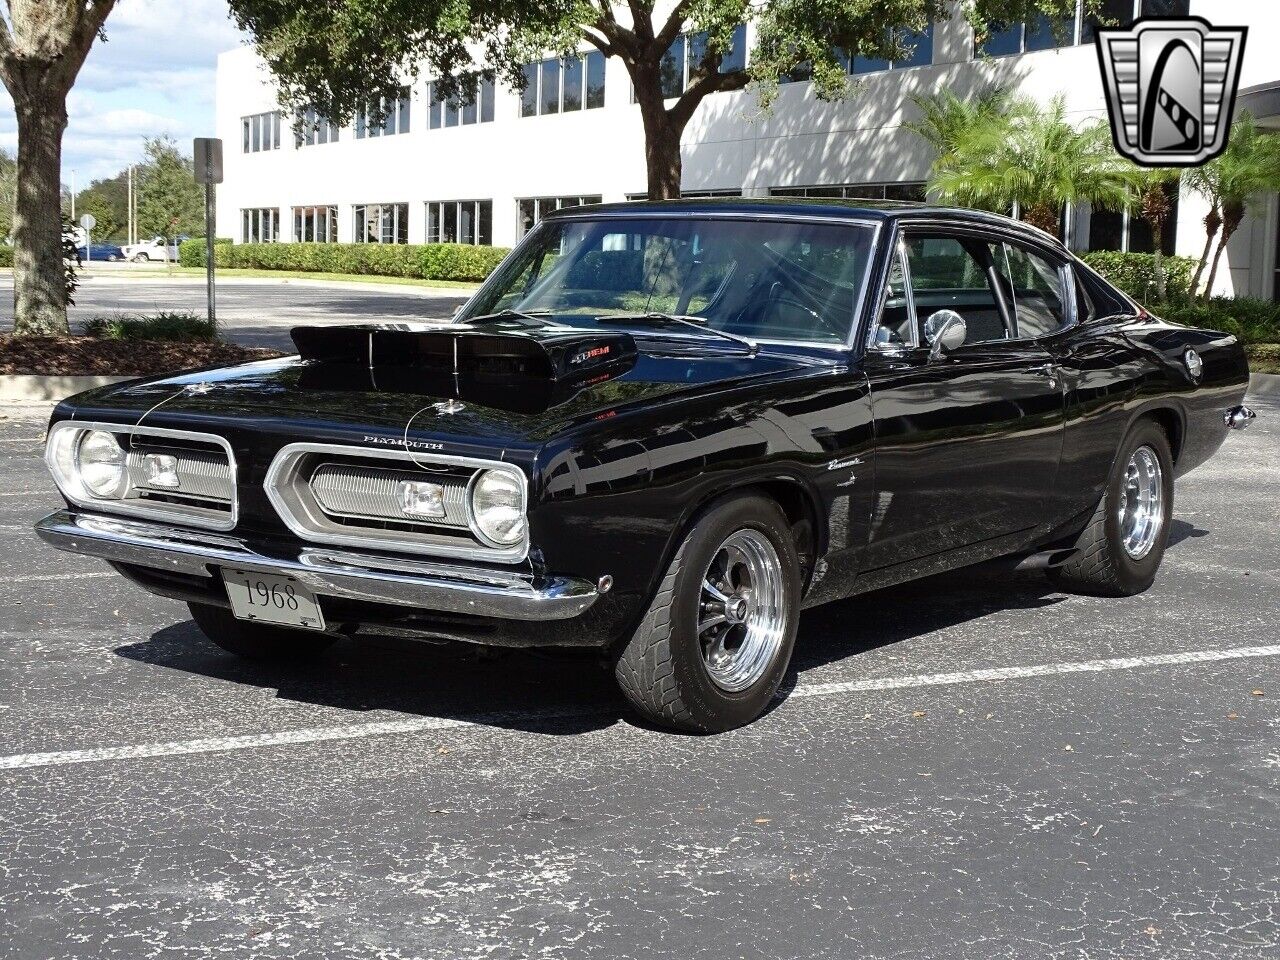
[[1036, 159], [945, 118], [1249, 166], [1150, 202]]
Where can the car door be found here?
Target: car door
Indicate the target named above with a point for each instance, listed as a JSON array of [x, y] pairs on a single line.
[[968, 441]]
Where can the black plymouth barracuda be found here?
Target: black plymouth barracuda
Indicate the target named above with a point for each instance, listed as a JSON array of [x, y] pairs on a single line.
[[660, 431]]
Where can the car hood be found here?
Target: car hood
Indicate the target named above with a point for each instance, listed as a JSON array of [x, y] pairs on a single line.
[[332, 401]]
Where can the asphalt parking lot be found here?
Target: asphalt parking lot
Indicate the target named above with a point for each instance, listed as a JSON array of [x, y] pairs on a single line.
[[971, 767], [255, 312]]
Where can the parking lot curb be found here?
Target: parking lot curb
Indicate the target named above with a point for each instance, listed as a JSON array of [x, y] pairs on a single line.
[[33, 387], [1264, 385]]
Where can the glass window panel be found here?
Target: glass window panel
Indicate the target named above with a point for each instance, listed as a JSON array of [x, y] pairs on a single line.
[[466, 223], [735, 58], [256, 125], [451, 114], [1003, 41], [595, 80], [573, 84], [1113, 13], [435, 108], [547, 205], [246, 127], [1040, 34], [275, 130], [484, 230], [1037, 290], [1166, 8], [908, 192], [528, 215], [486, 100], [433, 223], [361, 123], [920, 47], [550, 89], [697, 50], [471, 110], [402, 111], [671, 69], [529, 97], [863, 64]]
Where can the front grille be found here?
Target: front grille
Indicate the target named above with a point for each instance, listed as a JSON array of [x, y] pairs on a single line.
[[356, 492], [203, 476], [334, 494]]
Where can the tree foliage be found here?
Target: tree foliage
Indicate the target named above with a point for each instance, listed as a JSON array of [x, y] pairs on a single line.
[[108, 201], [1231, 183], [170, 202], [343, 54], [1032, 157]]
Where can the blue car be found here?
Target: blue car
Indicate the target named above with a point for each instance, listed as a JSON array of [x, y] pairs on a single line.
[[100, 251]]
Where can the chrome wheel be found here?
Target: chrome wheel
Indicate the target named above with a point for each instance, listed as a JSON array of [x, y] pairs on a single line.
[[1141, 509], [742, 610]]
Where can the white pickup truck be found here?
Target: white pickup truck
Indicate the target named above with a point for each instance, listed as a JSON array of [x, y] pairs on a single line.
[[157, 248]]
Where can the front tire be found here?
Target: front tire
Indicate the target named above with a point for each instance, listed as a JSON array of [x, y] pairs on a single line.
[[717, 638], [257, 641], [1119, 552], [141, 258]]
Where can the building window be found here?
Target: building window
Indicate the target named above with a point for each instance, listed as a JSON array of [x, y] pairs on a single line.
[[316, 224], [1120, 230], [395, 114], [312, 129], [261, 132], [534, 209], [692, 194], [563, 86], [461, 111], [461, 221], [684, 57], [919, 47], [260, 225], [382, 223], [909, 191], [1121, 13]]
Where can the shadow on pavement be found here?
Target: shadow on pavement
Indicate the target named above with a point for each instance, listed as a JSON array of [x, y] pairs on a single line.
[[565, 693]]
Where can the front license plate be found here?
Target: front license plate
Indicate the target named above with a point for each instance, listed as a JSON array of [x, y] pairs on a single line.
[[272, 598]]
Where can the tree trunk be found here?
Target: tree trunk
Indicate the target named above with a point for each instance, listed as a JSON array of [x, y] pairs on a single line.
[[663, 162], [39, 287], [1231, 221], [1044, 217], [1212, 222]]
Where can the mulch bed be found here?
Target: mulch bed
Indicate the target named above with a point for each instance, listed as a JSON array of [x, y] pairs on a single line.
[[88, 356]]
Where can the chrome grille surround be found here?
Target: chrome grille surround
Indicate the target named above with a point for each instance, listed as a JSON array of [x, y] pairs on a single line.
[[369, 493], [207, 459], [289, 488]]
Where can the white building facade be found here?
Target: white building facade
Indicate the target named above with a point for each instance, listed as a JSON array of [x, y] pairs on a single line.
[[484, 173]]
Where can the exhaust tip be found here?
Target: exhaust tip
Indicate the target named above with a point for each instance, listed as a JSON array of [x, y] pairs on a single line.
[[1238, 418]]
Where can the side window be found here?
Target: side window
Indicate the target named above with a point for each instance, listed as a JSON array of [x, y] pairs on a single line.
[[1036, 289], [950, 273]]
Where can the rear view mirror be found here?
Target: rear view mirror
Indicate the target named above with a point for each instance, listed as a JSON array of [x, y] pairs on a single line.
[[945, 331]]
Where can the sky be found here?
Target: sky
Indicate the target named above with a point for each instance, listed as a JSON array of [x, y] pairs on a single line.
[[154, 75]]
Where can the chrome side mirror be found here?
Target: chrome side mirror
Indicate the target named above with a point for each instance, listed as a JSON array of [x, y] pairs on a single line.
[[945, 330]]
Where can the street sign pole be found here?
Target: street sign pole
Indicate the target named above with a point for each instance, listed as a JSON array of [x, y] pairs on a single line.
[[208, 168]]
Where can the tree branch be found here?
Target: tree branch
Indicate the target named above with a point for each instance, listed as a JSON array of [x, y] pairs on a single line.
[[708, 83], [674, 25]]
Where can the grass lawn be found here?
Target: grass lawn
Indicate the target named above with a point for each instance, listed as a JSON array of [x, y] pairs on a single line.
[[1263, 357]]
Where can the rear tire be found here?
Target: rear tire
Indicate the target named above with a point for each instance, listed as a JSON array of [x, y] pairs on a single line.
[[717, 638], [256, 641], [1119, 552], [141, 258]]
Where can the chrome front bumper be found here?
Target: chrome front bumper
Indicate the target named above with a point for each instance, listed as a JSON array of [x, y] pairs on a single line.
[[330, 573]]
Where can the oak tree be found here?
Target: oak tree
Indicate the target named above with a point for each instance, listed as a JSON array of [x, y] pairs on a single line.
[[43, 44], [343, 54]]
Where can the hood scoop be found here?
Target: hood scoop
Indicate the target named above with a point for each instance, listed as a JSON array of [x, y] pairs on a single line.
[[493, 352]]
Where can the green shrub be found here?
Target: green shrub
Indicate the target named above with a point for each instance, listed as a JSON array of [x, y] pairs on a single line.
[[1251, 320], [191, 252], [432, 261], [173, 326], [1135, 273], [6, 256]]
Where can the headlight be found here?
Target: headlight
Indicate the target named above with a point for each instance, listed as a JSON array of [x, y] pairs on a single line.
[[101, 465], [497, 508]]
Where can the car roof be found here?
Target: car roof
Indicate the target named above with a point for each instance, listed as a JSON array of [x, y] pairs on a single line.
[[886, 211]]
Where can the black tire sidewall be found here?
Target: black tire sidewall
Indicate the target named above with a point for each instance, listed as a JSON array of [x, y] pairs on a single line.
[[712, 708], [1137, 575]]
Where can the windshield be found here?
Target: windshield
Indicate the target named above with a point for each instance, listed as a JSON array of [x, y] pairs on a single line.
[[766, 280]]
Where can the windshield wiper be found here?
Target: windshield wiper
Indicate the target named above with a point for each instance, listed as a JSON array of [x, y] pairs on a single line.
[[675, 319], [531, 316]]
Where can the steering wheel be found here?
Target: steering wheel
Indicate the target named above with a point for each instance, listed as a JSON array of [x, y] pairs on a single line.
[[794, 301]]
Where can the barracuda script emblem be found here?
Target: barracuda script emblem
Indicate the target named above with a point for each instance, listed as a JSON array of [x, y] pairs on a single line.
[[1171, 88]]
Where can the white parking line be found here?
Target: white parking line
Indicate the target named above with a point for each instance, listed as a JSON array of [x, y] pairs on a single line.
[[355, 731]]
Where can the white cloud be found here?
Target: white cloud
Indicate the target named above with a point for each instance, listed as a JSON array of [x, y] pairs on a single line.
[[154, 75]]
